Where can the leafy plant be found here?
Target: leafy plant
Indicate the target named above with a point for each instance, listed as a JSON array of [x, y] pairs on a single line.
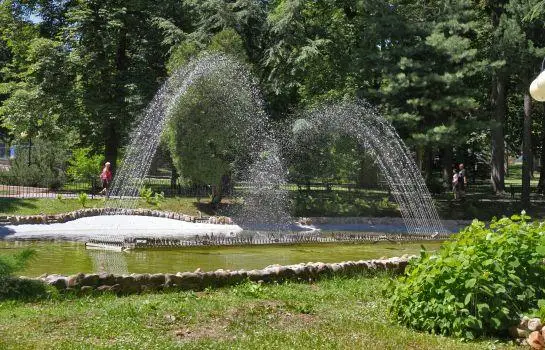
[[17, 288], [151, 197], [45, 169], [82, 199], [12, 263], [84, 166], [478, 283]]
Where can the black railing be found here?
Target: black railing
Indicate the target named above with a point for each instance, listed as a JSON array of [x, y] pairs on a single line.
[[14, 187]]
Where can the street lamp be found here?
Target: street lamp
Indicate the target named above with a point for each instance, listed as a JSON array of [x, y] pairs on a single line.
[[537, 88]]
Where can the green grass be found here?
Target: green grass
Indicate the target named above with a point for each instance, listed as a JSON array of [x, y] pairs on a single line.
[[514, 176], [34, 206], [330, 314]]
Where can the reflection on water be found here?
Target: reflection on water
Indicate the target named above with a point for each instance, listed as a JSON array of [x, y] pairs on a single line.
[[70, 258], [108, 261]]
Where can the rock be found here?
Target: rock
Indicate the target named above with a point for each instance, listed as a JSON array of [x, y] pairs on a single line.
[[86, 290], [106, 279], [191, 281], [516, 332], [524, 322], [170, 318], [103, 288], [57, 281], [74, 281], [157, 280], [90, 280], [116, 288], [534, 324], [536, 340]]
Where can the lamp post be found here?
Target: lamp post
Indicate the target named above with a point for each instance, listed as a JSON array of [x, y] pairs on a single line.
[[537, 92], [537, 87]]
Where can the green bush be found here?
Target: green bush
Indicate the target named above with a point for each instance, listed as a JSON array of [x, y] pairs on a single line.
[[47, 163], [18, 288], [83, 166], [478, 283], [82, 199], [151, 197]]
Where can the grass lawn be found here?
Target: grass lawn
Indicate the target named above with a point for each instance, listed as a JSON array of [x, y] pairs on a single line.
[[348, 313], [33, 206]]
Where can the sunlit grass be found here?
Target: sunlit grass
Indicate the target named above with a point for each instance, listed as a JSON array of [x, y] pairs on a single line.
[[330, 314]]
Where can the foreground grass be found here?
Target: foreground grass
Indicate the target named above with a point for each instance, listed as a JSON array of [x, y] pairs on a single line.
[[331, 314]]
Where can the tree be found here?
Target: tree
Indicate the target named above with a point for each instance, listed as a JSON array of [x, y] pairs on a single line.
[[433, 93], [216, 126], [37, 80], [120, 57]]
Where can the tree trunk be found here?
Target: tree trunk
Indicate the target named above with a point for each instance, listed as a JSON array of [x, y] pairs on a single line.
[[420, 157], [111, 144], [446, 165], [113, 124], [541, 184], [526, 150], [428, 162], [499, 108]]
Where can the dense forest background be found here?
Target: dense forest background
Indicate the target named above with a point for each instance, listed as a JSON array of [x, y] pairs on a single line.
[[451, 75]]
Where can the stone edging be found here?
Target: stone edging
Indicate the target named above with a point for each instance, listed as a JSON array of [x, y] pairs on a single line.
[[65, 217], [198, 280]]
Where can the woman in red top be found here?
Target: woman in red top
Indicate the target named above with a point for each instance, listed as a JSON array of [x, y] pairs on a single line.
[[106, 178]]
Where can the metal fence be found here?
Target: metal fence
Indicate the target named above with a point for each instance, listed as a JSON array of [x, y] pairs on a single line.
[[15, 188]]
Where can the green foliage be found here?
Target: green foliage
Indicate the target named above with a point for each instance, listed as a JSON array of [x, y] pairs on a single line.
[[249, 289], [214, 125], [338, 204], [83, 165], [82, 198], [478, 283], [47, 163], [12, 288], [151, 197], [12, 263], [17, 288]]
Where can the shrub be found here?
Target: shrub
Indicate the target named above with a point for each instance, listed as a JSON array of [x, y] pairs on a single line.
[[82, 199], [151, 197], [83, 166], [18, 288], [46, 169], [478, 283]]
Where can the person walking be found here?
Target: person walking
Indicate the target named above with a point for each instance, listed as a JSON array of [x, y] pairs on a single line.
[[455, 186], [462, 180], [105, 178]]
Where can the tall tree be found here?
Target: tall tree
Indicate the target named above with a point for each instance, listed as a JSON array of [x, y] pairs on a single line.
[[120, 60], [434, 91]]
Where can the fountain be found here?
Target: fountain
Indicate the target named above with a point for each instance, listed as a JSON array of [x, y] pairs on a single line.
[[377, 136], [259, 163]]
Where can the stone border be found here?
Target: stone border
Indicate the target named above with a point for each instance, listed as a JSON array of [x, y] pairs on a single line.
[[78, 214], [198, 280]]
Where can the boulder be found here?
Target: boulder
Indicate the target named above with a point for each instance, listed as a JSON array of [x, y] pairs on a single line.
[[90, 280], [57, 281], [534, 324], [536, 340], [74, 281], [516, 332], [103, 288]]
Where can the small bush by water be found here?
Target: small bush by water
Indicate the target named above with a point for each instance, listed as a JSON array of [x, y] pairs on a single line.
[[17, 288], [477, 284]]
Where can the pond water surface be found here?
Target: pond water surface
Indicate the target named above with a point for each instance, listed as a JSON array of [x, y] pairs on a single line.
[[70, 257]]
